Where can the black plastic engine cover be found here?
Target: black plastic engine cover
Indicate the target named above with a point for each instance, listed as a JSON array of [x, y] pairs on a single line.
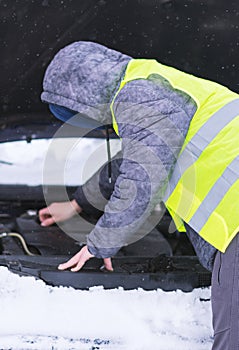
[[183, 273]]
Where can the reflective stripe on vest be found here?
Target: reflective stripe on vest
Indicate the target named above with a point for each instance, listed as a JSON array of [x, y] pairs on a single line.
[[203, 190]]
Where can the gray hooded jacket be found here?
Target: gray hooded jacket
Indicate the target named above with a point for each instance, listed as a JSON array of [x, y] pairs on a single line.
[[153, 119]]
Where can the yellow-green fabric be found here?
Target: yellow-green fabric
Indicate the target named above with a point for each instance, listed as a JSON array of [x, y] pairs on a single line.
[[188, 199]]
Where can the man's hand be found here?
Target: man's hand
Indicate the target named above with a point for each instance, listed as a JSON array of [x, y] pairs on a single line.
[[78, 260], [57, 212]]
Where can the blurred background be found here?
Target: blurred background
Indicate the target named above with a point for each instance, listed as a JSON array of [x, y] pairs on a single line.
[[197, 36]]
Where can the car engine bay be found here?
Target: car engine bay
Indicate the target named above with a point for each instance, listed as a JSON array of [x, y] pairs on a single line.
[[158, 260]]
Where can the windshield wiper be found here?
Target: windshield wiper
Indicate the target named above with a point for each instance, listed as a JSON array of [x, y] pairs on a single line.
[[6, 163]]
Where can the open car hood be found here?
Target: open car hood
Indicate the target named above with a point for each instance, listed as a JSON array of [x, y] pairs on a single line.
[[200, 37], [38, 125]]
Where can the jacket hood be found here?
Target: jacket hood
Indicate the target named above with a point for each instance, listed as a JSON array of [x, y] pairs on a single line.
[[83, 76]]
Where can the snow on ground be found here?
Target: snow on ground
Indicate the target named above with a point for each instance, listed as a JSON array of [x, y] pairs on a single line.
[[40, 317]]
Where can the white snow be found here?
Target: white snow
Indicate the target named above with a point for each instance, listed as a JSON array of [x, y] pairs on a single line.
[[37, 316], [34, 316], [77, 158]]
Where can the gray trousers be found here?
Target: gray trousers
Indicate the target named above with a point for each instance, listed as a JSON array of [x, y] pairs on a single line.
[[225, 298]]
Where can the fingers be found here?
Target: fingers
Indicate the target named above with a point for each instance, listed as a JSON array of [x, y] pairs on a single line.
[[58, 212], [45, 217], [108, 264], [78, 266], [72, 262], [77, 261], [48, 222], [43, 213]]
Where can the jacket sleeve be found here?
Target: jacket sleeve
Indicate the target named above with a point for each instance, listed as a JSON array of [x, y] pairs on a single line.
[[94, 194], [153, 129]]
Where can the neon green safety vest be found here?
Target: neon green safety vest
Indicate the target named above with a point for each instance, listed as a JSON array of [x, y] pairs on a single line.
[[204, 188]]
